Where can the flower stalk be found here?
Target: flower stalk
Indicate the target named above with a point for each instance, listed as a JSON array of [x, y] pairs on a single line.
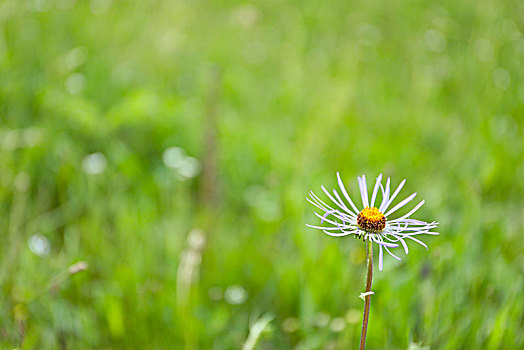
[[367, 301]]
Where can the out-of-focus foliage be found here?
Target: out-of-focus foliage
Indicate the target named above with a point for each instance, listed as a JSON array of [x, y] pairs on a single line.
[[170, 145]]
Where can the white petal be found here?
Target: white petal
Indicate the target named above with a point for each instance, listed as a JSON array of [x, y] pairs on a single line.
[[410, 212], [407, 229], [403, 243], [344, 233], [393, 255], [320, 202], [321, 207], [332, 228], [331, 197], [375, 190], [421, 233], [385, 196], [363, 190], [394, 195], [345, 193], [341, 202], [419, 242], [344, 221], [381, 242], [417, 222], [401, 204]]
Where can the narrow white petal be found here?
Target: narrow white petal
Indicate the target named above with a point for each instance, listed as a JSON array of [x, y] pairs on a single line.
[[417, 222], [364, 183], [393, 255], [375, 190], [345, 193], [421, 233], [337, 234], [403, 243], [394, 195], [316, 205], [360, 190], [342, 202], [341, 206], [419, 228], [410, 212], [381, 242], [401, 204], [386, 244], [332, 228], [344, 221], [335, 214], [319, 206], [385, 196], [419, 242], [363, 190], [317, 201], [406, 228]]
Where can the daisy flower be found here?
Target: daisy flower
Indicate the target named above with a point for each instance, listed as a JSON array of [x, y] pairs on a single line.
[[373, 222]]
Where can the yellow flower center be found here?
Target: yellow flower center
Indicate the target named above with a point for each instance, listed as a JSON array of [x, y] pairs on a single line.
[[371, 220]]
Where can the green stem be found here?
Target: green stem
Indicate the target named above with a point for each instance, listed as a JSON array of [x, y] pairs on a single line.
[[369, 250]]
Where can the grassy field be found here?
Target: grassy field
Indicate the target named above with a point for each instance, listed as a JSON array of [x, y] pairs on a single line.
[[168, 147]]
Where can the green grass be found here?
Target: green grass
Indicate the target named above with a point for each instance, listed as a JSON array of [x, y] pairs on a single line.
[[273, 98]]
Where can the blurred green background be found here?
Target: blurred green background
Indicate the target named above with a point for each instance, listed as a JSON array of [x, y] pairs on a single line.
[[170, 145]]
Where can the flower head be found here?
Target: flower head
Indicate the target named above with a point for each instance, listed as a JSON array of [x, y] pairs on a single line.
[[371, 222]]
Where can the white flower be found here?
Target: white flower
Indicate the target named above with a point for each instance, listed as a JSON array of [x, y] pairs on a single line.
[[371, 223]]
